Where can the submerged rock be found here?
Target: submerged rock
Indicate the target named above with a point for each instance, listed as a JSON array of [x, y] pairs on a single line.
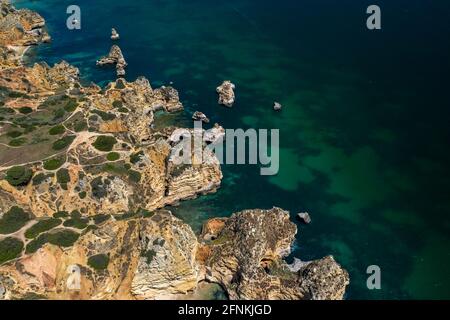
[[200, 116], [226, 93]]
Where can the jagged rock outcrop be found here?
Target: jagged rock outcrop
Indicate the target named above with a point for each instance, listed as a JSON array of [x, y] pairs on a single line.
[[245, 257], [157, 256], [226, 94], [19, 29], [114, 34], [200, 116], [115, 57]]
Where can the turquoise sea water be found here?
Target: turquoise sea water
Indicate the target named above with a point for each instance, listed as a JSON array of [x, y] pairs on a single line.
[[364, 132]]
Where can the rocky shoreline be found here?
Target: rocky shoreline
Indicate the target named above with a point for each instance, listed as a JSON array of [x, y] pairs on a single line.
[[85, 189]]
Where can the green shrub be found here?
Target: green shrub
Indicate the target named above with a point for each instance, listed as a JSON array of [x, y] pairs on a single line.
[[13, 220], [63, 176], [113, 156], [80, 126], [123, 110], [39, 178], [25, 110], [82, 194], [98, 219], [42, 226], [134, 176], [59, 113], [10, 248], [65, 238], [17, 142], [15, 94], [60, 214], [57, 130], [54, 164], [14, 134], [149, 255], [99, 262], [63, 143], [75, 214], [136, 157], [105, 143], [98, 188], [117, 104], [18, 176], [120, 84], [71, 105], [106, 116], [78, 223]]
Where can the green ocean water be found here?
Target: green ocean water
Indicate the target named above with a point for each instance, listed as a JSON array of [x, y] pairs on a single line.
[[364, 130]]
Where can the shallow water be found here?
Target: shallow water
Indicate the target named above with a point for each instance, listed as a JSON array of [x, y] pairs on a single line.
[[364, 129]]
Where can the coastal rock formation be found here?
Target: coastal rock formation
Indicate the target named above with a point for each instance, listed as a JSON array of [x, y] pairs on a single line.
[[115, 57], [19, 29], [200, 116], [114, 34], [277, 106], [245, 257], [157, 256], [226, 93], [305, 217], [83, 178]]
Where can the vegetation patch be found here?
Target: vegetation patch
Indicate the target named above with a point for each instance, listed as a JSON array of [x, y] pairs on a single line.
[[136, 157], [63, 176], [61, 214], [17, 142], [42, 226], [98, 188], [14, 134], [99, 262], [71, 105], [25, 110], [106, 116], [63, 143], [99, 219], [149, 255], [19, 176], [57, 130], [117, 104], [77, 223], [10, 248], [134, 176], [113, 156], [80, 125], [13, 220], [105, 143], [54, 163], [64, 238], [82, 194]]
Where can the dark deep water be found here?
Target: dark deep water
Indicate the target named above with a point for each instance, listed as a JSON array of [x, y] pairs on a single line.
[[365, 129]]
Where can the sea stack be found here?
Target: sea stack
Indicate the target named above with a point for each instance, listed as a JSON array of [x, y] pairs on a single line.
[[277, 106], [200, 116], [114, 34], [226, 93], [115, 56], [305, 217]]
